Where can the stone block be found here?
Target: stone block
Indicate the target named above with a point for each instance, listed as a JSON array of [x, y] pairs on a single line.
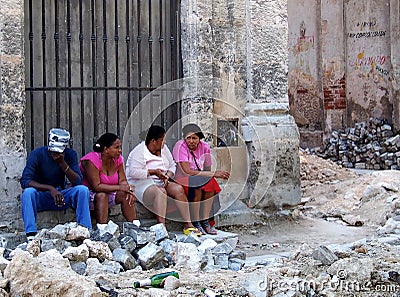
[[191, 238], [112, 266], [150, 255], [98, 249], [221, 260], [98, 235], [141, 235], [114, 243], [123, 257], [207, 244], [59, 244], [236, 264], [238, 255], [160, 231], [127, 243], [78, 267], [78, 233], [167, 245]]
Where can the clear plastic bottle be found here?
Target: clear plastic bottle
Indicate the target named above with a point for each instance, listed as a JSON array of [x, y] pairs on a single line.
[[209, 293], [156, 280]]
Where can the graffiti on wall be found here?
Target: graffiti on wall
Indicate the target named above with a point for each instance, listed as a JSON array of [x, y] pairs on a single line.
[[363, 60], [370, 34], [305, 43], [367, 30]]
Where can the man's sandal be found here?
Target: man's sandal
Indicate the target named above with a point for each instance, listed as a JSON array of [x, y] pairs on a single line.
[[195, 231]]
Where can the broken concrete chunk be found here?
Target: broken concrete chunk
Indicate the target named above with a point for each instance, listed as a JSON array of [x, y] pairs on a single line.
[[223, 248], [110, 227], [186, 255], [59, 232], [78, 233], [77, 254], [238, 255], [59, 244], [324, 255], [207, 244], [191, 238], [98, 249], [236, 264]]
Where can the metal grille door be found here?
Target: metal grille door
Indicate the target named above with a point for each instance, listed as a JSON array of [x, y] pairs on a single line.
[[90, 62]]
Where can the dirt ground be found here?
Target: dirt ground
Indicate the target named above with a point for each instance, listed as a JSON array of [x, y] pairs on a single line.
[[329, 194]]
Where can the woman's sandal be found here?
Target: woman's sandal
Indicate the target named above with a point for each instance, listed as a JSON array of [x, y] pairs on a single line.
[[208, 228], [199, 227], [195, 231]]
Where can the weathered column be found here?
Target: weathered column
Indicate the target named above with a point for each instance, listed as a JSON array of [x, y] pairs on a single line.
[[242, 45], [12, 107], [275, 171], [395, 56]]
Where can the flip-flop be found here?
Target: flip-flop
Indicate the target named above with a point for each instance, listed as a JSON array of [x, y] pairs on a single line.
[[195, 231]]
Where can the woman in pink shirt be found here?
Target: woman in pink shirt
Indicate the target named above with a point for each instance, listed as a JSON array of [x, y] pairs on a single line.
[[104, 175], [193, 157]]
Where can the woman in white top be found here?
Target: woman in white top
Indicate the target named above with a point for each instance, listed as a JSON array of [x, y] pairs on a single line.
[[150, 167]]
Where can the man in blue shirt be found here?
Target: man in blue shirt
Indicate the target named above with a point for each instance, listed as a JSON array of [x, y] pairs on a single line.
[[52, 181]]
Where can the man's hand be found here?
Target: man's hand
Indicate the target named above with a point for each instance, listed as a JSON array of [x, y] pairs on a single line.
[[58, 157], [58, 197]]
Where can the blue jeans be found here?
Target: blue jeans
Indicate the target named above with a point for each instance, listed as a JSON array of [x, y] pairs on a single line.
[[34, 201]]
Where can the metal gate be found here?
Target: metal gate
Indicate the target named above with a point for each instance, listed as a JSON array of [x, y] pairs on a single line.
[[90, 62]]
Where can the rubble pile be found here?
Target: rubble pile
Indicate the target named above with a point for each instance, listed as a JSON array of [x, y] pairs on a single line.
[[315, 170], [367, 145], [77, 254]]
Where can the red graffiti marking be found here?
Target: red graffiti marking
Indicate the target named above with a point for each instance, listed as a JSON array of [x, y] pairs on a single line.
[[362, 60], [304, 43]]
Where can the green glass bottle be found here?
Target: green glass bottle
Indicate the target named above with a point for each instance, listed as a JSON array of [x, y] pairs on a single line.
[[156, 280], [209, 293]]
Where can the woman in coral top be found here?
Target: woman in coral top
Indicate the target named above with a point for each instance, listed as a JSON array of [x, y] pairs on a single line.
[[193, 172], [104, 174]]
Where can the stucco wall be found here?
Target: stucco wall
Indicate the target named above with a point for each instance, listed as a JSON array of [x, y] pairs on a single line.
[[12, 105], [341, 63]]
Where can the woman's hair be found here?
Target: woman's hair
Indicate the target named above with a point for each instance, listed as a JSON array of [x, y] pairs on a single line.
[[155, 132], [105, 140]]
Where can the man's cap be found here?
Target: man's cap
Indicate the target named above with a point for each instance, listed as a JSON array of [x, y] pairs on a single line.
[[192, 128], [58, 140]]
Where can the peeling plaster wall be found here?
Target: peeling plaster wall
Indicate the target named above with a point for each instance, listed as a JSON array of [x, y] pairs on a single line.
[[369, 68], [304, 75], [341, 60], [12, 106]]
